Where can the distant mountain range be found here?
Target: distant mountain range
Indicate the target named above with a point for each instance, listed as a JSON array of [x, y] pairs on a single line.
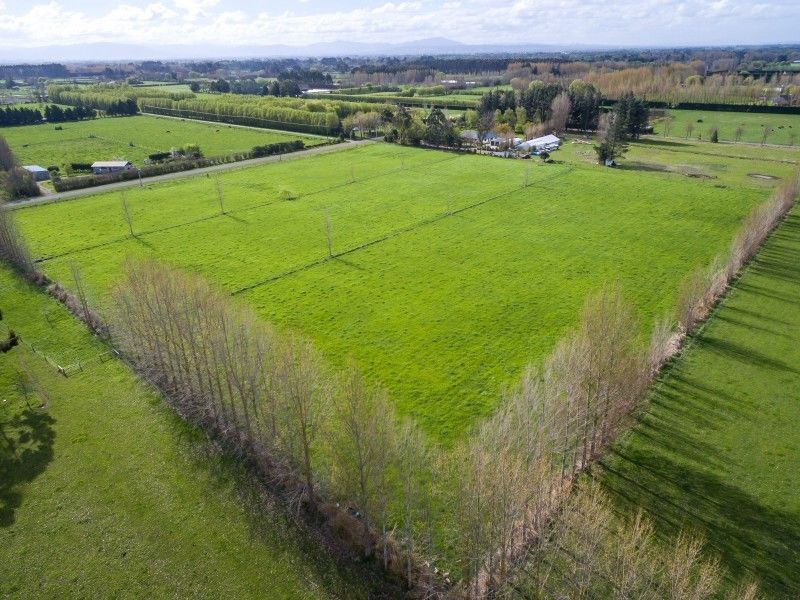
[[120, 52]]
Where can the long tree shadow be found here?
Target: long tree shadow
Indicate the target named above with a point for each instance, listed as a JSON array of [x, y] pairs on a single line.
[[269, 519], [649, 141], [744, 354], [26, 448], [677, 468], [748, 536]]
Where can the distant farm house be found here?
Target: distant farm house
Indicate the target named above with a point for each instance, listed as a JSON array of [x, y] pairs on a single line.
[[39, 173], [110, 166], [490, 140]]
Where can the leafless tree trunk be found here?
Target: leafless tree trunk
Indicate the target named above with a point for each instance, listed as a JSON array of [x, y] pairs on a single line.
[[220, 198], [329, 235], [13, 248], [126, 212], [559, 115]]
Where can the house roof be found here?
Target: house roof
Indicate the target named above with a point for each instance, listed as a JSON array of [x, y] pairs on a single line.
[[545, 140], [111, 163], [35, 169], [471, 134]]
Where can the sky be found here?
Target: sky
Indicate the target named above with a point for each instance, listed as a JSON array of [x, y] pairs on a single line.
[[300, 22]]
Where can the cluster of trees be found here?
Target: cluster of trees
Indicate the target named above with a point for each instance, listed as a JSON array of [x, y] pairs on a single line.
[[268, 397], [19, 116], [592, 552], [219, 85], [121, 107], [314, 116], [411, 128], [366, 122], [25, 71], [13, 249], [276, 148], [265, 111], [542, 107], [704, 286], [282, 87], [112, 99], [627, 121], [254, 87], [15, 182], [517, 468], [53, 113]]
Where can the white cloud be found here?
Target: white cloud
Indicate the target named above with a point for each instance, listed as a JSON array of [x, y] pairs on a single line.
[[471, 21]]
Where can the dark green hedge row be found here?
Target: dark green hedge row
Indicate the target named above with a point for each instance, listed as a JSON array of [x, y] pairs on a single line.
[[277, 148], [84, 181]]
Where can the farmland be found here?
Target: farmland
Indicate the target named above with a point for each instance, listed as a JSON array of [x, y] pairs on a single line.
[[133, 138], [718, 448], [441, 293], [105, 493], [785, 128]]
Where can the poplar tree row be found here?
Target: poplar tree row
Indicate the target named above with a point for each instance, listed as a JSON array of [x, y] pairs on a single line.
[[519, 466], [318, 437], [591, 552]]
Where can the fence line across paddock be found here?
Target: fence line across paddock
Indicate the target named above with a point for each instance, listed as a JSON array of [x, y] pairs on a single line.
[[69, 369]]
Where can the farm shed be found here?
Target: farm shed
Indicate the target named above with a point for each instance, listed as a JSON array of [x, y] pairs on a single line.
[[110, 166], [540, 144], [39, 173]]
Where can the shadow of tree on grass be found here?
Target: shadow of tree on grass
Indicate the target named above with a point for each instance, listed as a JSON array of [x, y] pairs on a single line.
[[26, 448], [749, 537]]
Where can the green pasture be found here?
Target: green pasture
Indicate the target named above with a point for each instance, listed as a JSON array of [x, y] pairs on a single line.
[[132, 138], [104, 493], [448, 276], [784, 127], [718, 450]]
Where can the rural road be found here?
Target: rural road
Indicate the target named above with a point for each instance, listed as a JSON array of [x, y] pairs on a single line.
[[120, 185]]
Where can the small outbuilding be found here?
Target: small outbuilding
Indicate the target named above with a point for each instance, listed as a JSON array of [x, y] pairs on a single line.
[[110, 166], [39, 173]]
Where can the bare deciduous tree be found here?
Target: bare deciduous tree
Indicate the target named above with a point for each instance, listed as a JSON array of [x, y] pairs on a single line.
[[560, 109], [126, 212], [13, 248], [329, 235], [591, 552], [220, 198]]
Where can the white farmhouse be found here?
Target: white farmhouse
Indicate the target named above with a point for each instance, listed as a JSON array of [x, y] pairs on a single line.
[[110, 166]]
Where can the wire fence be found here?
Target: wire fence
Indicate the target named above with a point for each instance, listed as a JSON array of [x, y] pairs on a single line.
[[70, 369]]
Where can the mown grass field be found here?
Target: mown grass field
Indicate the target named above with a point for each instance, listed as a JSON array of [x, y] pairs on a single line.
[[453, 276], [718, 449], [132, 138], [105, 494], [784, 127]]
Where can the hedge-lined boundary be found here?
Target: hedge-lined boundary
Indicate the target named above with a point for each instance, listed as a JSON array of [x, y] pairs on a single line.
[[85, 181], [743, 108], [239, 120], [399, 100], [605, 103]]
